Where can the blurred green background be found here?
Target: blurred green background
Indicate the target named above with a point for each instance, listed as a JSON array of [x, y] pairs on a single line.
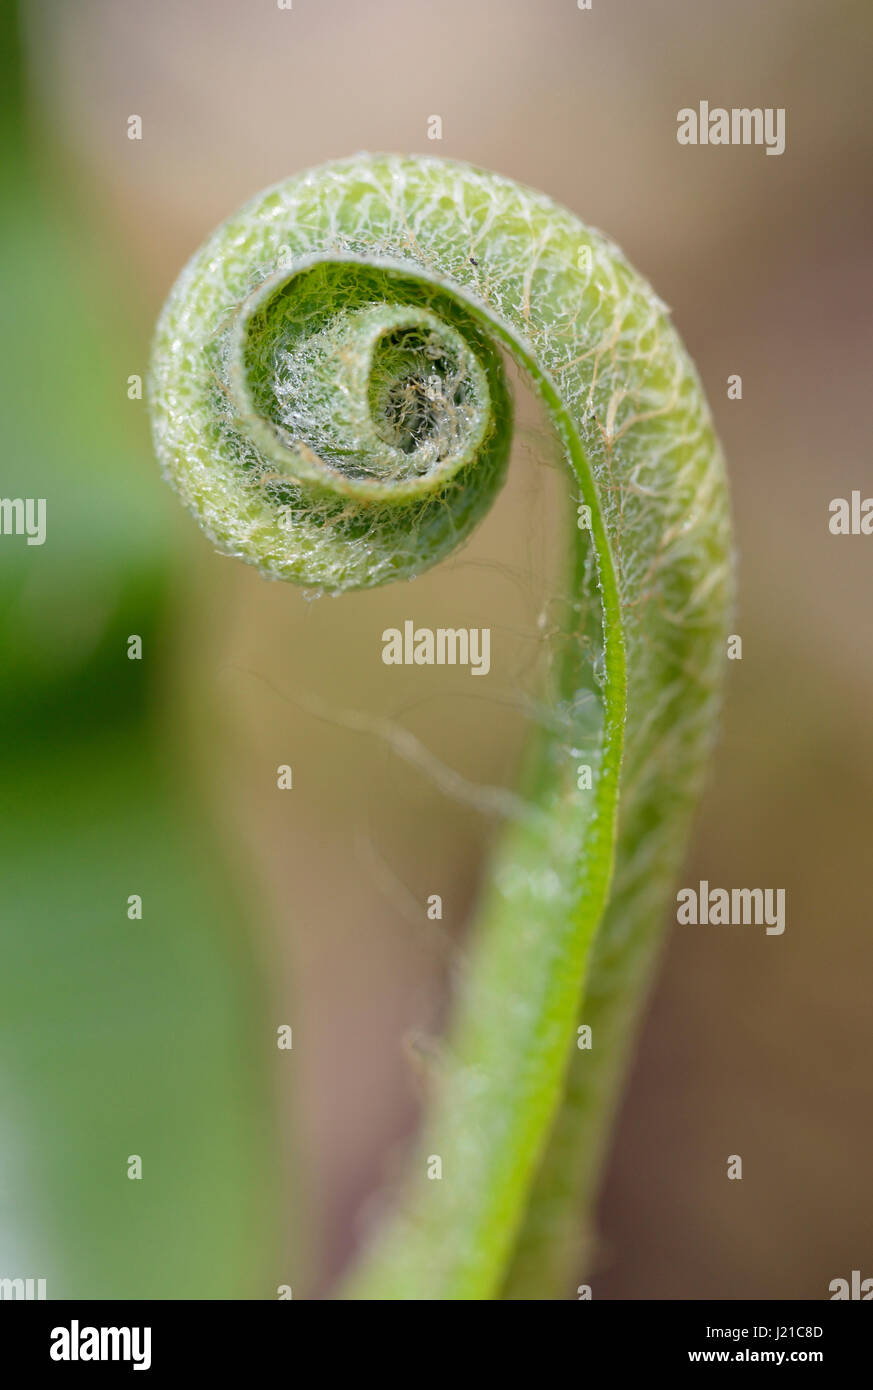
[[158, 1037]]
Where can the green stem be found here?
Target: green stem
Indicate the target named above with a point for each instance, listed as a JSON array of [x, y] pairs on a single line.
[[328, 397]]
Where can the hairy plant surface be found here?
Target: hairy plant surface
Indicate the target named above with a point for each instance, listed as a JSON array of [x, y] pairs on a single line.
[[328, 397]]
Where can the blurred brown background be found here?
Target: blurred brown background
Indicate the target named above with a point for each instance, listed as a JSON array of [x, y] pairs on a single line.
[[753, 1045]]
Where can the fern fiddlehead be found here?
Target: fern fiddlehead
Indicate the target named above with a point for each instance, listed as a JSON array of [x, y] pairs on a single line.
[[328, 397]]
